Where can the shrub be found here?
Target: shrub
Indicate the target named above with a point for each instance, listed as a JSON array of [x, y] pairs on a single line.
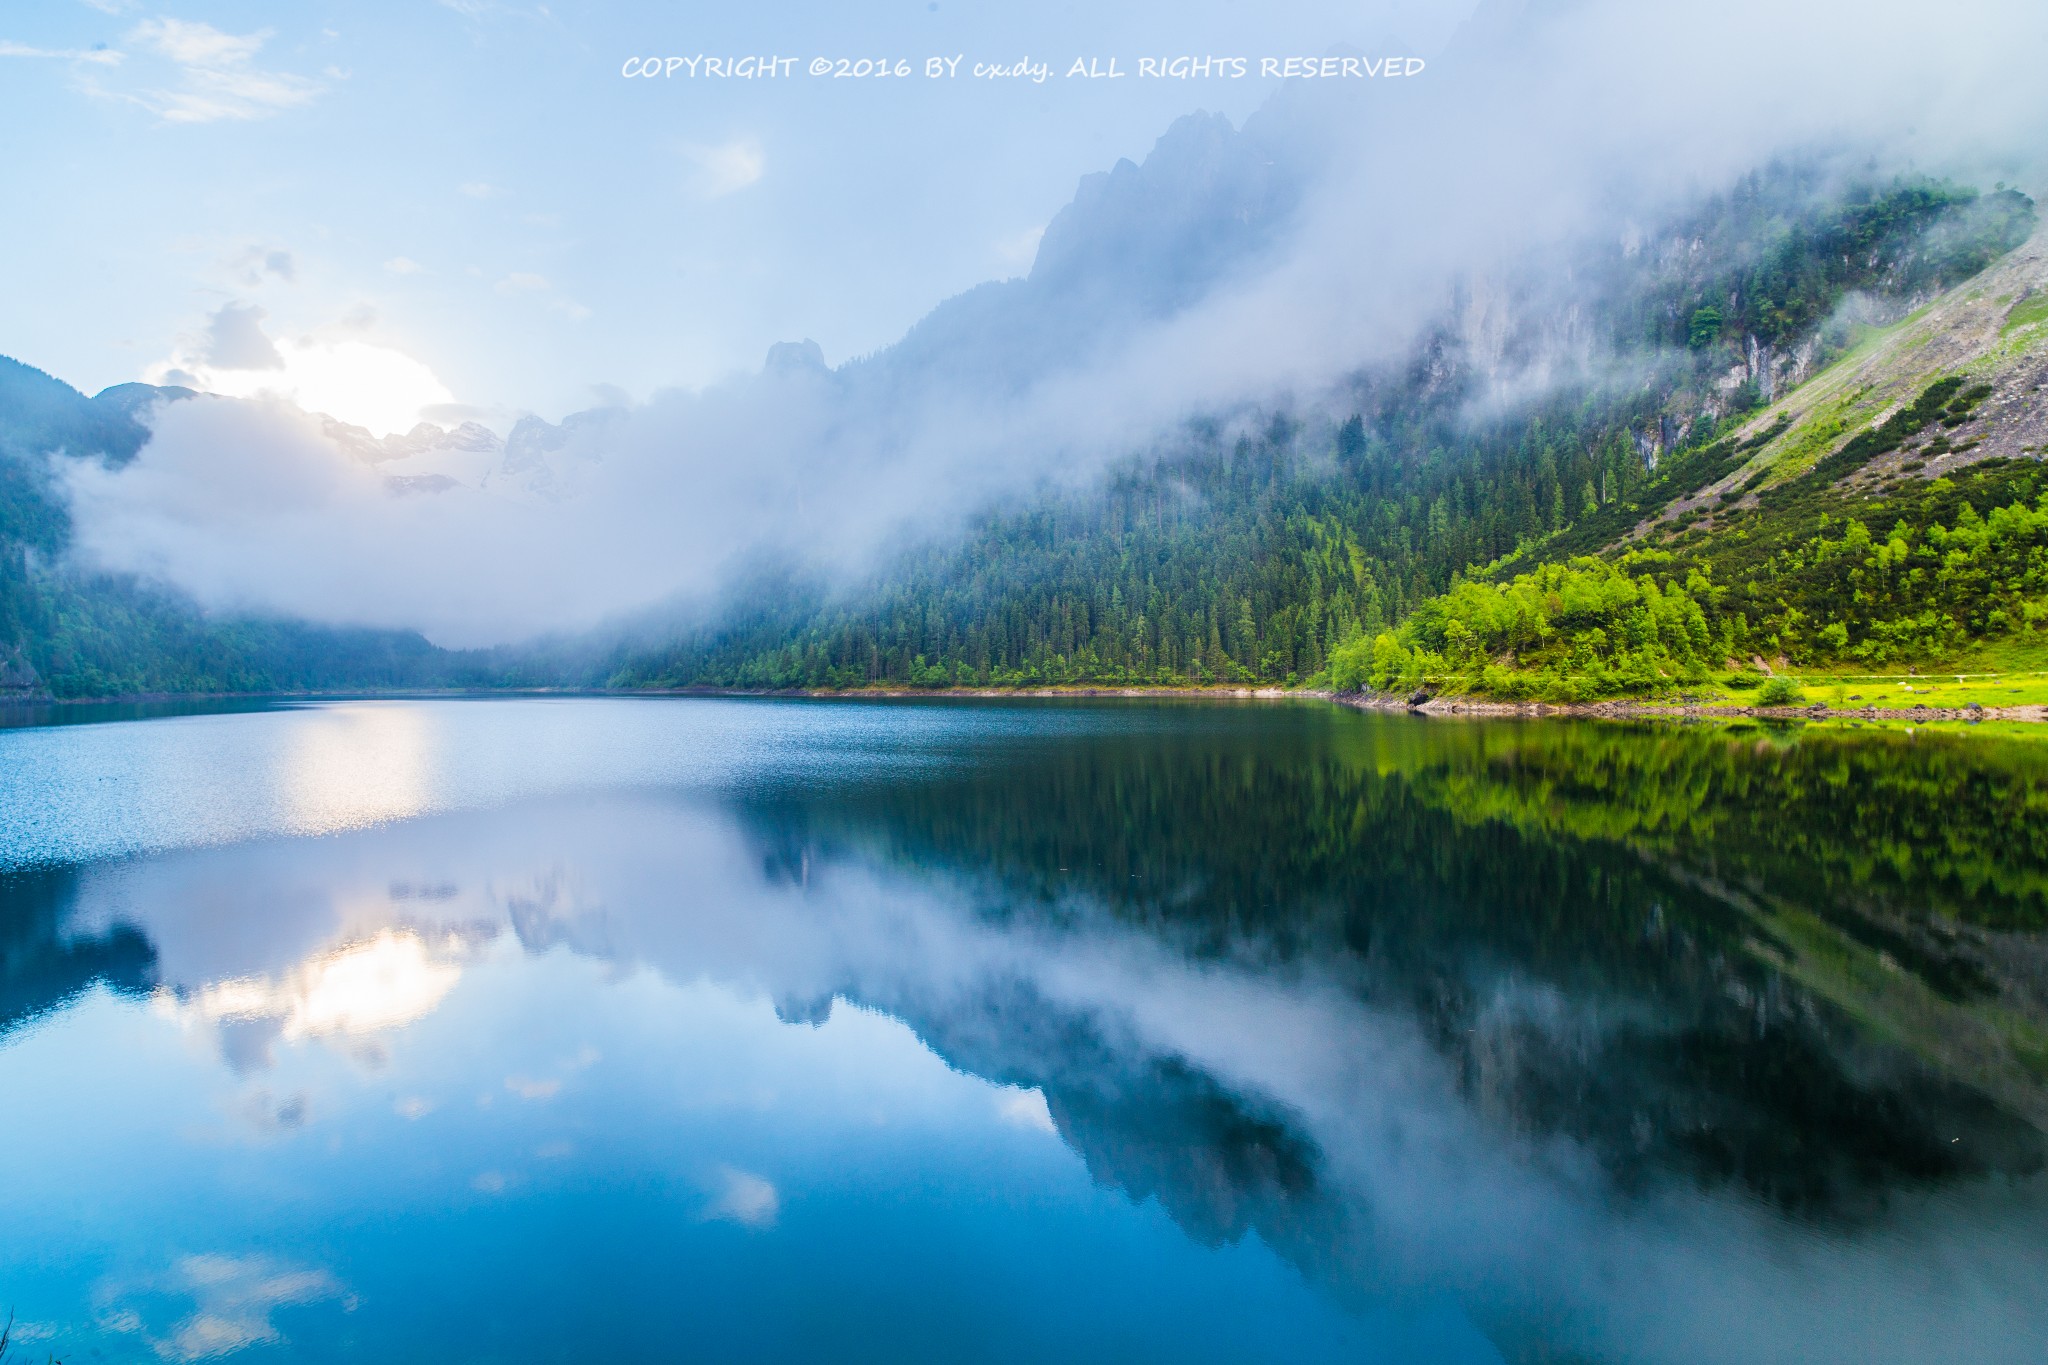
[[1779, 691]]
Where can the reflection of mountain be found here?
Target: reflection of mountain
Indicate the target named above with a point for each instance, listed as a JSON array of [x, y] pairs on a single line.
[[1155, 1127], [1386, 994], [42, 967], [1549, 903]]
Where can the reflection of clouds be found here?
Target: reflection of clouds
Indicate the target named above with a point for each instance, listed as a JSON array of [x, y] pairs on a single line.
[[355, 765], [392, 980], [547, 1087], [744, 1198], [1026, 1109], [267, 1112], [232, 1299]]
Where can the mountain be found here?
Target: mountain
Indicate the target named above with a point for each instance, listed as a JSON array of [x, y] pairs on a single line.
[[39, 413], [1540, 415], [1138, 243]]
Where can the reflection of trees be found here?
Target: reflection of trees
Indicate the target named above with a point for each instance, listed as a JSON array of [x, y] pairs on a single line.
[[41, 967], [1767, 963]]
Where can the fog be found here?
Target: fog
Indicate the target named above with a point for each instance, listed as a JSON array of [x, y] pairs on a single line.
[[1256, 266]]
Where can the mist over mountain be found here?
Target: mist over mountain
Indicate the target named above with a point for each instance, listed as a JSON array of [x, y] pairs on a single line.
[[1137, 245], [1445, 237], [617, 509], [39, 412]]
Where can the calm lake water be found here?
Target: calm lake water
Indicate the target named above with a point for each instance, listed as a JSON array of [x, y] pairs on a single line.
[[504, 1030]]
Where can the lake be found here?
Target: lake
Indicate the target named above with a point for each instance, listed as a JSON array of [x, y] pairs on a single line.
[[738, 1030]]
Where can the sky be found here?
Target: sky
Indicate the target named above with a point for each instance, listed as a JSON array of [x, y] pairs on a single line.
[[464, 204]]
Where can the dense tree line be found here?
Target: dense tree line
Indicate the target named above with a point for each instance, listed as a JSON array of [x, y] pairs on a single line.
[[1245, 558], [1815, 574]]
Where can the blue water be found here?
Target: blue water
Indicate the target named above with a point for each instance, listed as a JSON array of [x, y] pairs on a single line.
[[765, 1031]]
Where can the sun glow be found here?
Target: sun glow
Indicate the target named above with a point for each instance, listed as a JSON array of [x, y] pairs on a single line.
[[366, 385]]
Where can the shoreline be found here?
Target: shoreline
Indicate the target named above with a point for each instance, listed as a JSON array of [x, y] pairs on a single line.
[[1625, 710], [1389, 703]]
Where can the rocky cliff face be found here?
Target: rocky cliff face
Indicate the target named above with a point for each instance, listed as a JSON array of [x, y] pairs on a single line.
[[1990, 332]]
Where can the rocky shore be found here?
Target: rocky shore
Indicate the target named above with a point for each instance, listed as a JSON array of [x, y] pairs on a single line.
[[1424, 704]]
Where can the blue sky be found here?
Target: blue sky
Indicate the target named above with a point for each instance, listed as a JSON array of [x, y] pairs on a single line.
[[474, 186]]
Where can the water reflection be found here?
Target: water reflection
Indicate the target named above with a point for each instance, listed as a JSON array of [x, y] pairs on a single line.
[[1797, 966], [45, 962], [357, 989], [1599, 1031]]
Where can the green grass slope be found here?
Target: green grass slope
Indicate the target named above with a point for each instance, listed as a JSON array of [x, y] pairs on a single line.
[[1886, 519]]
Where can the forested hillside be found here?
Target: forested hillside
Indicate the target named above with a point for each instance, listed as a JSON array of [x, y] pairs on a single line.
[[1891, 514], [1266, 542]]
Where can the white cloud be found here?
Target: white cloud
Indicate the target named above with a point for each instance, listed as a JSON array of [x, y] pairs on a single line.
[[217, 78], [254, 263], [723, 169], [404, 265], [235, 340], [99, 56], [191, 44], [334, 371], [478, 189]]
